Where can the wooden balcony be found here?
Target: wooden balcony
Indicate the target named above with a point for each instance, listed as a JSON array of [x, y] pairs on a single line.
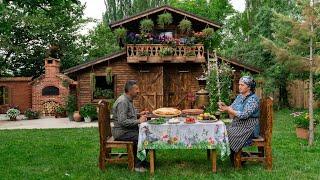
[[154, 53]]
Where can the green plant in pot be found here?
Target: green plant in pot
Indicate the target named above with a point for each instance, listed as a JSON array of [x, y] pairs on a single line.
[[208, 32], [31, 114], [60, 112], [71, 106], [120, 33], [301, 120], [88, 111], [109, 75], [185, 26], [13, 113], [164, 19], [146, 25]]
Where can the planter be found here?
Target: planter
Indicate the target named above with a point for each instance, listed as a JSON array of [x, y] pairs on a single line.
[[143, 58], [87, 119], [166, 58], [190, 58], [302, 133], [77, 116], [13, 118]]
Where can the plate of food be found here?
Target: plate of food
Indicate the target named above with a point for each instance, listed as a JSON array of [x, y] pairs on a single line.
[[167, 112], [209, 121], [157, 121], [206, 116], [190, 120], [174, 121], [192, 111]]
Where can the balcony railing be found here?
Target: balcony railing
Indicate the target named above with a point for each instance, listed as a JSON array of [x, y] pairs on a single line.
[[160, 53]]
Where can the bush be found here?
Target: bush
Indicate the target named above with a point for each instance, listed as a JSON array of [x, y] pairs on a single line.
[[88, 110], [30, 114], [60, 111], [12, 113], [185, 26], [71, 104]]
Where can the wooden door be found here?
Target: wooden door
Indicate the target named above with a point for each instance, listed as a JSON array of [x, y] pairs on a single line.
[[150, 81], [180, 80]]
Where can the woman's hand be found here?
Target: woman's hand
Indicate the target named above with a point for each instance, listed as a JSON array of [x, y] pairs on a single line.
[[223, 107]]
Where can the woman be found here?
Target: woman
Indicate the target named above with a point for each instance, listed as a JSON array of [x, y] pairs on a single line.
[[245, 114]]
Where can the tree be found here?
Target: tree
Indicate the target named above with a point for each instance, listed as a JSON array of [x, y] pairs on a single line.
[[101, 41], [242, 41], [295, 47], [28, 28]]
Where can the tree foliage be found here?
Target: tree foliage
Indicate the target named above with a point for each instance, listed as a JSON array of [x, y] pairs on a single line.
[[28, 28]]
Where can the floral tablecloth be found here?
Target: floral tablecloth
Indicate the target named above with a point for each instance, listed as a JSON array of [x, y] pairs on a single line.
[[183, 136]]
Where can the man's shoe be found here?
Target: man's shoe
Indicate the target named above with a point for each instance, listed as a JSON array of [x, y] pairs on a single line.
[[140, 169]]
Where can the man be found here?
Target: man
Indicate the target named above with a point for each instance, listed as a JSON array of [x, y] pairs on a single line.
[[126, 120]]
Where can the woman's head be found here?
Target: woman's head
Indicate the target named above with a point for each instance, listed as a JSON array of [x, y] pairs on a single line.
[[246, 84]]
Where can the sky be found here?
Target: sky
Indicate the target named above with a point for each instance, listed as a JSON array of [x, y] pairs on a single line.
[[96, 8]]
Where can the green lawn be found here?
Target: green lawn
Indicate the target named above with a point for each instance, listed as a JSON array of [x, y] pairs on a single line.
[[73, 154]]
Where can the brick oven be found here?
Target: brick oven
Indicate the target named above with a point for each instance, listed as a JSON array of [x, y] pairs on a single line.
[[50, 89]]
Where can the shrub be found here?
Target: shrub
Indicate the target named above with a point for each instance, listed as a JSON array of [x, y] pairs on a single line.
[[71, 104], [12, 113], [31, 114], [88, 110]]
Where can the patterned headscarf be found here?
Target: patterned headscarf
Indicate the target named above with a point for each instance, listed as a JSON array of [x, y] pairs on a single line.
[[249, 81]]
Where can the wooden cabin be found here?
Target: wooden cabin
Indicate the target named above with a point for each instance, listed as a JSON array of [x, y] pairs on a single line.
[[164, 81]]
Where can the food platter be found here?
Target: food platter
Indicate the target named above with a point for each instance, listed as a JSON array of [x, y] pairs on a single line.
[[209, 121], [174, 121], [192, 111], [157, 121], [167, 112]]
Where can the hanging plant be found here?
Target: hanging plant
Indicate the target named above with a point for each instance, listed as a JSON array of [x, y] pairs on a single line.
[[164, 19], [109, 75], [185, 26], [92, 81], [120, 33], [146, 25], [208, 32]]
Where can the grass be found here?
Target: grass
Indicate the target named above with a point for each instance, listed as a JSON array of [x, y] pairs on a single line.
[[73, 154]]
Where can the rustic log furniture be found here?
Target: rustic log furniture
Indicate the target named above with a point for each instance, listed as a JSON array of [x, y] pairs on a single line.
[[263, 143], [107, 143]]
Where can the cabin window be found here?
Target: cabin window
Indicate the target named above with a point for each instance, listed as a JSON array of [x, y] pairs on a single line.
[[50, 61], [4, 95], [50, 91], [104, 87]]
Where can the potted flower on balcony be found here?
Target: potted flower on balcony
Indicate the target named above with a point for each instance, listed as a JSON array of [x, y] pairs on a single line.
[[13, 113], [88, 111], [301, 119], [143, 55], [166, 53], [190, 55]]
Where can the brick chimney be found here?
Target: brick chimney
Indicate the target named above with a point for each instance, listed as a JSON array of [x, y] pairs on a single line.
[[52, 67]]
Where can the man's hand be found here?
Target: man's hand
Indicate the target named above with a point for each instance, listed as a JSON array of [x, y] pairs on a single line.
[[144, 112], [142, 119]]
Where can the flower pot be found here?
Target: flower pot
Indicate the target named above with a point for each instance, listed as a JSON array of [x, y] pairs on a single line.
[[13, 118], [166, 58], [302, 133], [87, 119], [77, 116]]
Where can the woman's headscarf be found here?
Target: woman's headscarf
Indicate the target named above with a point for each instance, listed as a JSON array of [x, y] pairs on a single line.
[[249, 81]]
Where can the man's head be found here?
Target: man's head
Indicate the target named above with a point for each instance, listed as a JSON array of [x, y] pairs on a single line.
[[131, 88]]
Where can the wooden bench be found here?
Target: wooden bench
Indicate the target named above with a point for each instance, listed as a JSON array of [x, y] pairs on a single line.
[[107, 143], [263, 143]]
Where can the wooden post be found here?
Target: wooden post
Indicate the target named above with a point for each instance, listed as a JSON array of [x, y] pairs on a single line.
[[130, 157], [152, 156], [103, 134], [237, 160], [213, 154]]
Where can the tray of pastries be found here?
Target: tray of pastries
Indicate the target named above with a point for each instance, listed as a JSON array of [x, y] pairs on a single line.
[[167, 112]]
